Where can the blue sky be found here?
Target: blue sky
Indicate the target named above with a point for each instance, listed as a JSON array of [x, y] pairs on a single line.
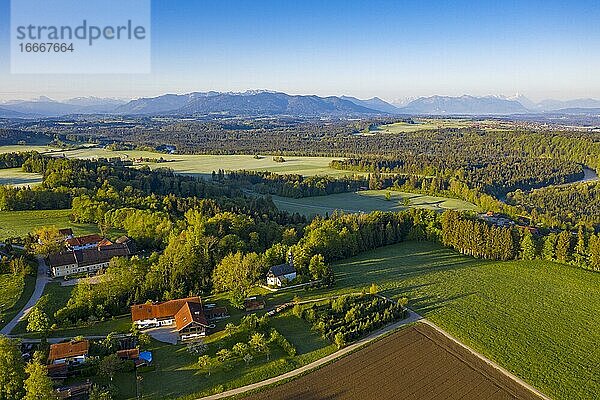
[[390, 49]]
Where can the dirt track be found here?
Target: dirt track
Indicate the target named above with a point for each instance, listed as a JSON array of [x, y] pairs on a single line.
[[414, 363]]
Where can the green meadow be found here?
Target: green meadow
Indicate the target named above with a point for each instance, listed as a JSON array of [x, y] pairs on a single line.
[[422, 124], [537, 319], [15, 291], [20, 223], [367, 201], [199, 165], [16, 177]]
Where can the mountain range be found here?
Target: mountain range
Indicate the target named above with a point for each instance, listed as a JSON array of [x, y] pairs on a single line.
[[263, 102]]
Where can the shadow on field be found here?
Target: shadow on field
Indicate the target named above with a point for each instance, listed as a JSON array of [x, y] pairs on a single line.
[[427, 304]]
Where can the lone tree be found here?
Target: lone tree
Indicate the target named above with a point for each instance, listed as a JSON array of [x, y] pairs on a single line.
[[237, 273], [38, 321], [528, 249], [207, 363], [340, 340]]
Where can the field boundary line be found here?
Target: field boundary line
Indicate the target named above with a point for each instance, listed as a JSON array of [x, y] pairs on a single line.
[[487, 361], [412, 317]]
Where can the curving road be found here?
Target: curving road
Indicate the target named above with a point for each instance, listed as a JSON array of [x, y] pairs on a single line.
[[40, 283]]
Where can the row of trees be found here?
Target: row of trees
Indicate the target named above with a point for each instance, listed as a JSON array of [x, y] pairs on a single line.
[[479, 239], [493, 175], [581, 250], [291, 185]]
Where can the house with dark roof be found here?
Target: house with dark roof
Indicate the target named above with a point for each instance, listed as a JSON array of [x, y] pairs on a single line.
[[87, 260], [67, 233], [279, 275]]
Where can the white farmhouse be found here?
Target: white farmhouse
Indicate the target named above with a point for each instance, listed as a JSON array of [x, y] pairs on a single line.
[[279, 275]]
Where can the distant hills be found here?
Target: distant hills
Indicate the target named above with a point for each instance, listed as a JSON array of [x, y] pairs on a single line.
[[463, 105], [375, 104], [263, 102], [46, 107], [248, 103]]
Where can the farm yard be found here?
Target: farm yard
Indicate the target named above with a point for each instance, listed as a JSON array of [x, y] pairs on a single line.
[[367, 201], [416, 362], [178, 374], [471, 299]]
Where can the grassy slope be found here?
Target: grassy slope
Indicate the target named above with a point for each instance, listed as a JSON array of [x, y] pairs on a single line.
[[57, 298], [15, 291], [537, 319], [367, 201], [20, 223]]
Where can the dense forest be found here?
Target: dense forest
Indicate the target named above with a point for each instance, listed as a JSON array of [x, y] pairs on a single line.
[[562, 207], [492, 175]]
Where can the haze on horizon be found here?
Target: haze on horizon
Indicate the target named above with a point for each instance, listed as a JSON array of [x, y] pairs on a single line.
[[389, 49]]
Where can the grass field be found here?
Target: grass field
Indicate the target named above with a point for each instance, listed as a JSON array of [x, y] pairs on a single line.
[[16, 177], [20, 223], [15, 291], [367, 201], [441, 123], [537, 319], [202, 165]]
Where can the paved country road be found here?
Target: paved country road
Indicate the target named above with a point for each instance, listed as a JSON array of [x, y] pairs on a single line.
[[40, 283], [412, 317]]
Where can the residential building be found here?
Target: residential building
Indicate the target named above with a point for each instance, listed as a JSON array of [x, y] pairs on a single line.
[[190, 321], [279, 275], [88, 260], [151, 315], [73, 352], [186, 315], [84, 242], [67, 233]]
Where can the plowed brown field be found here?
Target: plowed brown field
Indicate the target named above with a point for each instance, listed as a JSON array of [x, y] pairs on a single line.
[[414, 363]]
